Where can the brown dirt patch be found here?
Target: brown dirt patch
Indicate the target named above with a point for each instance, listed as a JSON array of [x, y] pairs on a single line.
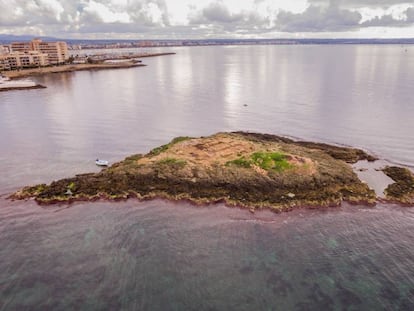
[[221, 148]]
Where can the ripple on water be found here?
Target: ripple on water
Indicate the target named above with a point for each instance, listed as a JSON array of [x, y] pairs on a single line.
[[163, 256], [144, 255]]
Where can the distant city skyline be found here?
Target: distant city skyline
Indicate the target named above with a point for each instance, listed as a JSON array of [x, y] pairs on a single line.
[[205, 19]]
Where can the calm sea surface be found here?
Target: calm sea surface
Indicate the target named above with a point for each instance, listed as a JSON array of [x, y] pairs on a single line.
[[172, 256]]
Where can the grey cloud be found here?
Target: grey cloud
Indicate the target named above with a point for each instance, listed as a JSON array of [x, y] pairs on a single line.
[[111, 28], [360, 3], [219, 18], [75, 16], [218, 12], [410, 15], [215, 13], [136, 10], [141, 22], [318, 19], [383, 21], [78, 18], [389, 21], [332, 16], [21, 12]]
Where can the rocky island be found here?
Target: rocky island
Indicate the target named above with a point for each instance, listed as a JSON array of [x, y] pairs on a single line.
[[241, 169]]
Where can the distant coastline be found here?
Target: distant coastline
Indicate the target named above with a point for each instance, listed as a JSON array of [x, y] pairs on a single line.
[[74, 44], [120, 44]]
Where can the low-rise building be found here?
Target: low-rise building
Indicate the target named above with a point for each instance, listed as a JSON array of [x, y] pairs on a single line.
[[16, 60]]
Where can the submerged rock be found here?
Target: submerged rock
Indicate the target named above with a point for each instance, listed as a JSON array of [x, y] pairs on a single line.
[[241, 169]]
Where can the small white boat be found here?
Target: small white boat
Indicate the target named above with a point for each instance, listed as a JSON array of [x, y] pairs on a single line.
[[101, 162]]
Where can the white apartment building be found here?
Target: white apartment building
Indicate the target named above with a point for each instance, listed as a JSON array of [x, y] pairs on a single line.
[[16, 60], [56, 51]]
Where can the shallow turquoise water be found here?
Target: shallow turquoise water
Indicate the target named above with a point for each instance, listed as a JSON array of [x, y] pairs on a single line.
[[164, 256]]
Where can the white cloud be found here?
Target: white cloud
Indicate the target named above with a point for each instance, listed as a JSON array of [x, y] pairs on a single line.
[[104, 13], [154, 13], [206, 18], [20, 13]]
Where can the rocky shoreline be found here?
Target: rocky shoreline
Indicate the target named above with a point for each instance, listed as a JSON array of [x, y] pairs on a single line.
[[67, 68], [248, 170], [79, 67], [402, 191]]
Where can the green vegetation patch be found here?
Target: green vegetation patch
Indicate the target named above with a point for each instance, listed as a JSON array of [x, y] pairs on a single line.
[[266, 160], [163, 148], [35, 190], [271, 160], [71, 186], [241, 162]]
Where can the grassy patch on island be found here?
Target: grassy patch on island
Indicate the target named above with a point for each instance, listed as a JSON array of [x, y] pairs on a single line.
[[275, 161]]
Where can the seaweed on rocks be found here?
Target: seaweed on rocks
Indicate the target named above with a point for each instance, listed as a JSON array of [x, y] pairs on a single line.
[[281, 175], [402, 191]]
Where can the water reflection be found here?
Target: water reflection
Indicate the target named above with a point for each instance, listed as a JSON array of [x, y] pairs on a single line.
[[156, 255], [354, 95]]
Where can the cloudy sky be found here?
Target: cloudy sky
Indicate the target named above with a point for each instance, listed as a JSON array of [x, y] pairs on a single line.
[[177, 19]]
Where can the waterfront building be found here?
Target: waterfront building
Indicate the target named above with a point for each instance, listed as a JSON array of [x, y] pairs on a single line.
[[4, 49], [30, 59], [56, 51], [4, 63], [20, 47]]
